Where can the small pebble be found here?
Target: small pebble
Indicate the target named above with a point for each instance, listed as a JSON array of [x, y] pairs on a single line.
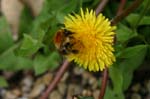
[[148, 86], [92, 80], [62, 88], [78, 71], [96, 94], [85, 77], [143, 91], [55, 95], [75, 98], [86, 92], [2, 91], [26, 84], [73, 89], [148, 96], [65, 76], [47, 78], [17, 92], [37, 90], [8, 74], [27, 81], [136, 87], [10, 95], [135, 96]]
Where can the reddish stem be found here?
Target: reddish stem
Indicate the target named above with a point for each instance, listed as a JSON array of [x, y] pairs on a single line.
[[121, 6], [104, 83], [126, 12], [59, 75], [101, 6]]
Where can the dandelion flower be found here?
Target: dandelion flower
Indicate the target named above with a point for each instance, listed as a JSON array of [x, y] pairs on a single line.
[[94, 36]]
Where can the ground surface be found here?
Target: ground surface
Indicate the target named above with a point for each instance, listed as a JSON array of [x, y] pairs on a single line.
[[76, 81]]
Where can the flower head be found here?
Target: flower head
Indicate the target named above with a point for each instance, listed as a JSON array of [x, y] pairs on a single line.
[[94, 37]]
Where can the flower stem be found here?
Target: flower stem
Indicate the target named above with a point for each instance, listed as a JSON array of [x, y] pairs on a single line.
[[121, 6], [101, 6], [126, 12], [104, 84], [59, 75]]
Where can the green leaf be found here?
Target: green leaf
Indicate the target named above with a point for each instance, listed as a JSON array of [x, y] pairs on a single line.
[[148, 53], [132, 19], [130, 59], [52, 5], [41, 25], [144, 33], [81, 97], [117, 79], [9, 59], [124, 33], [29, 46], [6, 39], [3, 82], [60, 17], [135, 53], [63, 5], [127, 79], [145, 2], [95, 2], [23, 63], [44, 63], [26, 21], [40, 64], [70, 6], [110, 94], [47, 24]]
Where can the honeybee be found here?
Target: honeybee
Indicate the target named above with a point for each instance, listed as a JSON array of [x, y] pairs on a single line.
[[66, 43]]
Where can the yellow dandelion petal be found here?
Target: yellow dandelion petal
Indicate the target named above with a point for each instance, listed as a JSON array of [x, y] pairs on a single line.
[[94, 36]]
